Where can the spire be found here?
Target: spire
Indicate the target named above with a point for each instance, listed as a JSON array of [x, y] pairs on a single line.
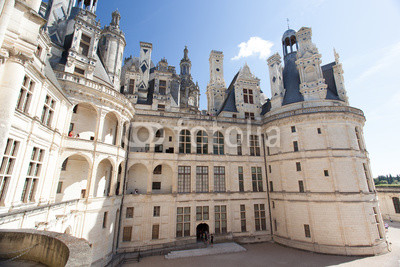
[[185, 53], [116, 17]]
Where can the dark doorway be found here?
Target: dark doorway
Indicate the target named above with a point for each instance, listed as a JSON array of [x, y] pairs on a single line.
[[200, 229]]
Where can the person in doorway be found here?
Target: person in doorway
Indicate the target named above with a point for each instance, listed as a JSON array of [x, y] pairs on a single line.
[[212, 240]]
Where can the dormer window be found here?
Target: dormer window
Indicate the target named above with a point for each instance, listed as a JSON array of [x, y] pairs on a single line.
[[84, 45], [248, 96], [79, 71], [162, 88]]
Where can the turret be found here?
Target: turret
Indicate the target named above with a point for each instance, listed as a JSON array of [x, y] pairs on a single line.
[[339, 79], [185, 64], [144, 69], [216, 86], [111, 47]]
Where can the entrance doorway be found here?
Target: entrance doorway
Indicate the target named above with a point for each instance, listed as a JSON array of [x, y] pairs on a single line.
[[200, 229]]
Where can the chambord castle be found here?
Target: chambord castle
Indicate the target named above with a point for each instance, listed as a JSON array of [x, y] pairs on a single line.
[[117, 152]]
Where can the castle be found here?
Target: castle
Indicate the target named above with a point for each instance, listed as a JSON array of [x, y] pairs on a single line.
[[117, 151]]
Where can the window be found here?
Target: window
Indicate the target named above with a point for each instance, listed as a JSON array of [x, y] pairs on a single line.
[[219, 179], [301, 187], [256, 178], [84, 45], [162, 88], [127, 234], [307, 230], [160, 133], [183, 179], [158, 169], [269, 168], [241, 181], [273, 204], [105, 219], [239, 144], [243, 218], [275, 226], [293, 129], [201, 179], [59, 187], [374, 209], [369, 183], [295, 146], [259, 216], [248, 96], [156, 211], [319, 131], [218, 143], [220, 219], [155, 231], [271, 186], [129, 212], [33, 174], [25, 94], [79, 71], [75, 109], [201, 142], [326, 172], [156, 186], [38, 51], [161, 107], [396, 204], [48, 111], [359, 141], [298, 166], [202, 213], [7, 166], [158, 148], [71, 127], [249, 115], [183, 222], [131, 87], [254, 145], [184, 141]]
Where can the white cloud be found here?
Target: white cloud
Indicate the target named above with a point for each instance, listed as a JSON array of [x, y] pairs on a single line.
[[255, 45]]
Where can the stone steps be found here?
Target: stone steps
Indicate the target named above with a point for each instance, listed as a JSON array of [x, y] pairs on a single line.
[[221, 248]]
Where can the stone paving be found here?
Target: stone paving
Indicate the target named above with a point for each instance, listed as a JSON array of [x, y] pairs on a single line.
[[222, 248], [271, 254]]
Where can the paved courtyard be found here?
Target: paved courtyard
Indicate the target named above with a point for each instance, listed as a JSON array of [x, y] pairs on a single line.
[[270, 254]]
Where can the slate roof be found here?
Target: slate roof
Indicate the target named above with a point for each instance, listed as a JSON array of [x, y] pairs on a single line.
[[48, 71], [327, 72], [266, 107], [291, 80], [230, 101]]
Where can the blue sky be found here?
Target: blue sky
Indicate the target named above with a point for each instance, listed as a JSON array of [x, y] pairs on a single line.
[[365, 34]]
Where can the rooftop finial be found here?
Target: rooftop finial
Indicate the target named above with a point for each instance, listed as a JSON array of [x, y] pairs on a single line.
[[287, 20]]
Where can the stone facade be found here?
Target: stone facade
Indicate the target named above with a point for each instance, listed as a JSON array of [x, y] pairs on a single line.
[[389, 201], [117, 151]]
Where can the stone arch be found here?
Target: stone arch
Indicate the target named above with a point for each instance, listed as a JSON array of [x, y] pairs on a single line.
[[104, 176], [110, 128], [141, 137], [162, 173], [137, 178], [74, 174], [84, 121]]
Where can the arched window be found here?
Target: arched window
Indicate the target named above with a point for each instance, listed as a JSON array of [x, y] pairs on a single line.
[[218, 143], [157, 170], [202, 142], [184, 141]]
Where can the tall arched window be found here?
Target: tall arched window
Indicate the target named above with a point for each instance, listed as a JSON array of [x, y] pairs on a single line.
[[201, 142], [218, 143], [184, 141]]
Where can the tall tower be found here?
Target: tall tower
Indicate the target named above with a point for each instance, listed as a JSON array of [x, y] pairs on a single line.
[[216, 86], [111, 47], [185, 64], [312, 86]]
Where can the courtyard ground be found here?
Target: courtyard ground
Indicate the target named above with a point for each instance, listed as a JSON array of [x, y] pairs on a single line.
[[271, 254]]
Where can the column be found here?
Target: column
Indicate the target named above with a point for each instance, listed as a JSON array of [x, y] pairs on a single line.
[[119, 134], [100, 125], [92, 179], [10, 87], [113, 182], [6, 13]]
